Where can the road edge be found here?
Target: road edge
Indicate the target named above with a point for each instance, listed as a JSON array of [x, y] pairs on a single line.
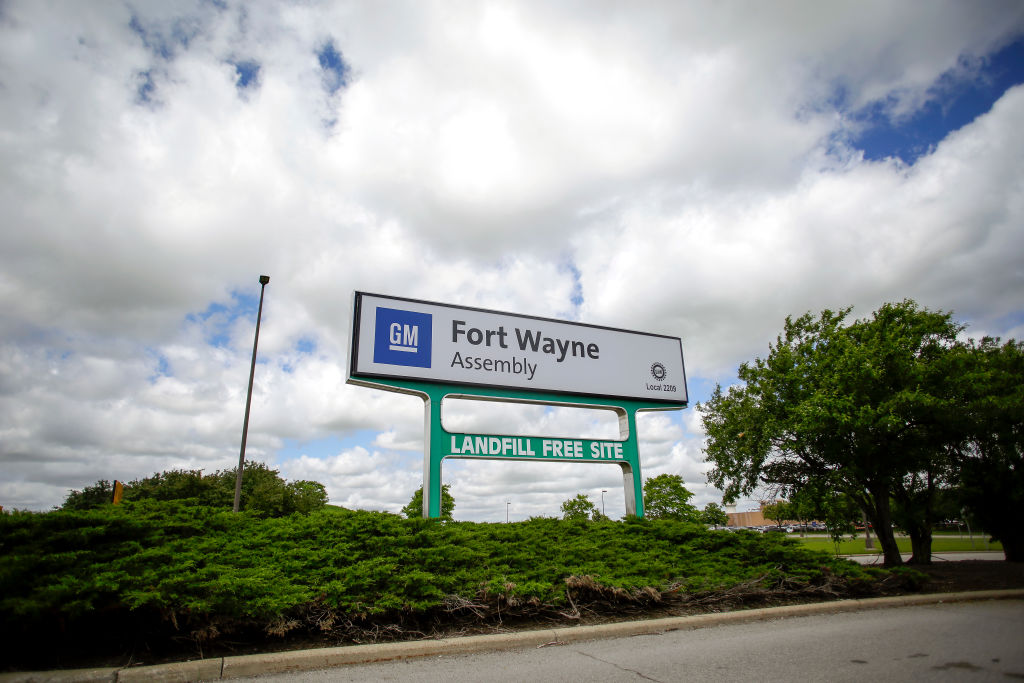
[[224, 668]]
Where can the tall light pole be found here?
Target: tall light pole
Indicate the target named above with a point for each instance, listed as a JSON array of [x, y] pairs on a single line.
[[507, 503], [603, 491], [264, 279]]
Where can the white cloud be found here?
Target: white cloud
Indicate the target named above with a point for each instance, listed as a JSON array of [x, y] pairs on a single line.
[[359, 479], [685, 168], [725, 271]]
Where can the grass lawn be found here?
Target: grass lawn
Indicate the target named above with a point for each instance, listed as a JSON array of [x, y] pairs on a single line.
[[940, 544]]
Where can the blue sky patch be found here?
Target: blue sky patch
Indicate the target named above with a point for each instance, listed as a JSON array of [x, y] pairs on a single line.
[[163, 367], [218, 318], [147, 86], [304, 346], [699, 389], [182, 31], [248, 73], [953, 103], [215, 322], [335, 70], [576, 298], [324, 448], [1009, 321]]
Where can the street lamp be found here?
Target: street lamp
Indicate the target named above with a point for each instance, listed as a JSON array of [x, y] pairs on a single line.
[[603, 491], [264, 279], [507, 503]]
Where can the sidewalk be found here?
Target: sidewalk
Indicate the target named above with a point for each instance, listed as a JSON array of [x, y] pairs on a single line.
[[936, 557]]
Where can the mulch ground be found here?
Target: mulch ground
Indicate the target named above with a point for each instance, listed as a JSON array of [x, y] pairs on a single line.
[[972, 575]]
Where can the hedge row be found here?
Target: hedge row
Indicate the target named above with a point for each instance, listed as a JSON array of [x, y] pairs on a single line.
[[175, 567]]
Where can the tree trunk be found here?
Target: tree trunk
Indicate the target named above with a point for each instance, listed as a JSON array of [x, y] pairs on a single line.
[[881, 518], [1013, 545], [919, 511], [921, 546]]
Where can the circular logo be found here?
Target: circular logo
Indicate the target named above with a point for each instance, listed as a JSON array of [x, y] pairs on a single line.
[[658, 371]]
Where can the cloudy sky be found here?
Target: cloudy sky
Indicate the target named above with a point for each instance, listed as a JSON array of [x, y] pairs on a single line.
[[694, 169]]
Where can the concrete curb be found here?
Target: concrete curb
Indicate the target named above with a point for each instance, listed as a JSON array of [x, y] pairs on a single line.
[[220, 668]]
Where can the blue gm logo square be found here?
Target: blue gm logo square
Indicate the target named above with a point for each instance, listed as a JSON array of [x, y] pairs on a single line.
[[402, 338]]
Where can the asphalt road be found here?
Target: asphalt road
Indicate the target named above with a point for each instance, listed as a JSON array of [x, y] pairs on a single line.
[[975, 641]]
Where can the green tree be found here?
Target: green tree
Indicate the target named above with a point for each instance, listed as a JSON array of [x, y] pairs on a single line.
[[579, 508], [714, 515], [840, 515], [414, 508], [180, 485], [263, 491], [989, 465], [809, 503], [666, 497], [306, 496], [819, 500], [89, 497], [861, 407], [779, 510]]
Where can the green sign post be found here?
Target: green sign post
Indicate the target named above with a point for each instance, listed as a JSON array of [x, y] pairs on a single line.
[[432, 345]]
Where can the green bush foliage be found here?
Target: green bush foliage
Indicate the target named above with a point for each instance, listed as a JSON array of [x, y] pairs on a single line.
[[187, 570], [263, 491]]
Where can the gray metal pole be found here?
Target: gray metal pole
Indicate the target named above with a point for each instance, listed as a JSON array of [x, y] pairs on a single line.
[[869, 543], [264, 279]]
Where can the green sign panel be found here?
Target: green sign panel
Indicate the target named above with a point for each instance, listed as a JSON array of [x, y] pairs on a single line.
[[532, 447]]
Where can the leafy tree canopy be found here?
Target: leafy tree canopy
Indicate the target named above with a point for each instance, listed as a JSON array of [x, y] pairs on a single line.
[[580, 508], [714, 515], [859, 408], [989, 466], [666, 497], [263, 491], [414, 508], [778, 511], [89, 497]]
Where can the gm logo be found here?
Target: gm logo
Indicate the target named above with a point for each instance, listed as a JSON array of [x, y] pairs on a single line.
[[402, 338]]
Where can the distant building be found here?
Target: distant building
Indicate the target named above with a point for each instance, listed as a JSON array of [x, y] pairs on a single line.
[[754, 517], [749, 518]]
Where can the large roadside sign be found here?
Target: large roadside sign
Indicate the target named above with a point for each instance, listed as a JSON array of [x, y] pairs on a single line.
[[400, 338], [437, 351]]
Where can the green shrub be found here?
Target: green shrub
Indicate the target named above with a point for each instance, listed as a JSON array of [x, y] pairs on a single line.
[[172, 568]]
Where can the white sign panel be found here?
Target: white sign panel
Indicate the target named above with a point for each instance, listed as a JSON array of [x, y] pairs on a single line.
[[408, 339]]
